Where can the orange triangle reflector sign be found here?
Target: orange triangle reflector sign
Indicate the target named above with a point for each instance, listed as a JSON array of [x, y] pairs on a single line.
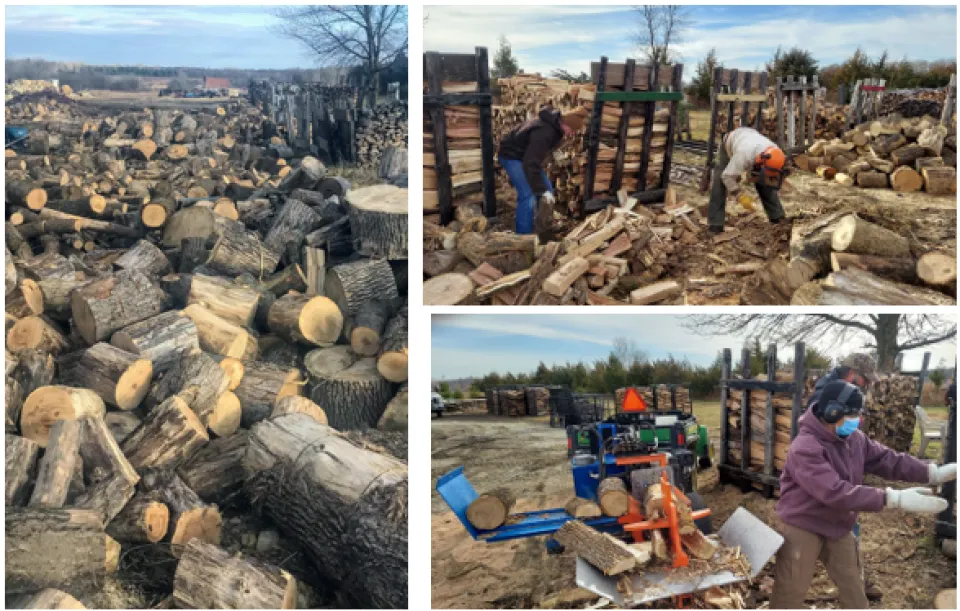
[[633, 402]]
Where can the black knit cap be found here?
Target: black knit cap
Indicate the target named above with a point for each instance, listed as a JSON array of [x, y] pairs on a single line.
[[832, 391]]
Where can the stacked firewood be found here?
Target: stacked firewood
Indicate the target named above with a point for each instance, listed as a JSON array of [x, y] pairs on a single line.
[[463, 154], [188, 324], [682, 401], [888, 414], [829, 121], [538, 400], [912, 102], [617, 251], [663, 397], [522, 401], [379, 129], [783, 406]]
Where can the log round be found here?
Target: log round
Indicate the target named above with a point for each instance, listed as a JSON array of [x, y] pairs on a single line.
[[226, 299], [145, 257], [304, 319], [35, 333], [347, 505], [48, 404], [108, 305], [613, 497], [221, 336], [367, 327], [25, 299], [378, 221], [162, 339], [190, 517], [448, 289], [853, 234], [353, 398], [937, 268], [264, 384], [392, 363], [299, 405], [119, 377], [142, 520], [491, 509], [352, 284]]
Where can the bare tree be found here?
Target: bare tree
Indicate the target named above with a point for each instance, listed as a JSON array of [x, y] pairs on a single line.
[[628, 352], [890, 333], [369, 35], [661, 25]]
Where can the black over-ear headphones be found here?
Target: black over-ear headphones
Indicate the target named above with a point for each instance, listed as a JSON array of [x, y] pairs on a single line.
[[837, 408]]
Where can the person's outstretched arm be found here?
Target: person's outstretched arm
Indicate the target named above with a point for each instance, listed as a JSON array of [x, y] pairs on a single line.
[[889, 464], [821, 481]]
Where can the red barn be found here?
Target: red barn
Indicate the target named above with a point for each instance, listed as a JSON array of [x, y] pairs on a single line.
[[215, 82]]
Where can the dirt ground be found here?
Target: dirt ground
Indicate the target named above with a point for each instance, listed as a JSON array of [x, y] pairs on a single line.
[[529, 457]]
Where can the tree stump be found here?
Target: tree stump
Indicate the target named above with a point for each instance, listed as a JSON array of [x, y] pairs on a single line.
[[353, 398], [378, 221]]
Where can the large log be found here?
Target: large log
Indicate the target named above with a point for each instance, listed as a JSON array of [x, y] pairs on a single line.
[[170, 433], [115, 302], [611, 556], [58, 465], [353, 398], [48, 404], [54, 548], [119, 377], [309, 320], [378, 221], [352, 284], [162, 339], [262, 386], [215, 472], [491, 509], [207, 577], [613, 497], [855, 235], [346, 505], [20, 469]]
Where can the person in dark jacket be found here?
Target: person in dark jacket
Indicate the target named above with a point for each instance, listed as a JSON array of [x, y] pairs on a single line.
[[523, 153], [858, 369], [951, 396], [822, 492]]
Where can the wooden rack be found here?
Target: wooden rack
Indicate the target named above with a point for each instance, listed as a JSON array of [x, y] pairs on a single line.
[[792, 92], [865, 100], [459, 67], [731, 87], [631, 78], [950, 102]]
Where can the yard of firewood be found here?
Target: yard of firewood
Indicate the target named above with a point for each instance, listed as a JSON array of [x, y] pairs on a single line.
[[529, 457]]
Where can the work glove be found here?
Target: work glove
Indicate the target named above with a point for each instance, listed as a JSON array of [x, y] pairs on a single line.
[[915, 500], [548, 198], [943, 473]]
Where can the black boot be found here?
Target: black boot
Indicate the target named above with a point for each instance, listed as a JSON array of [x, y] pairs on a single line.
[[716, 229], [871, 590]]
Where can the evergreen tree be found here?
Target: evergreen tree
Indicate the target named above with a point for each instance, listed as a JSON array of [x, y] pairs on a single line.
[[702, 83], [795, 62], [504, 63]]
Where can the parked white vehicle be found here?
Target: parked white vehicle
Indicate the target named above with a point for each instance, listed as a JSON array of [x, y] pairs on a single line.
[[436, 404]]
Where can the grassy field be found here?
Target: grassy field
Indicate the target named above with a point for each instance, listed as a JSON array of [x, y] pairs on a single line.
[[700, 124], [708, 413]]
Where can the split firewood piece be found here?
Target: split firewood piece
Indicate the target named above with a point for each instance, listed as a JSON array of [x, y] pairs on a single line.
[[54, 548], [304, 319], [653, 505], [111, 477], [48, 404], [26, 299], [215, 472], [613, 497], [352, 284], [294, 221], [582, 508], [299, 405], [58, 465], [367, 327], [491, 509], [221, 336], [120, 378], [659, 545], [207, 578], [35, 333], [162, 339], [394, 417], [112, 303], [232, 302], [700, 546], [378, 221], [353, 398], [264, 384], [142, 520], [611, 556], [48, 598], [145, 257], [226, 416], [937, 268], [366, 485], [233, 368], [392, 362], [559, 281], [20, 469], [170, 433], [190, 517], [658, 291], [853, 234]]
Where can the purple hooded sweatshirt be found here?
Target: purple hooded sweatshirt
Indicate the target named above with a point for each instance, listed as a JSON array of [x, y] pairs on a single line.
[[821, 487]]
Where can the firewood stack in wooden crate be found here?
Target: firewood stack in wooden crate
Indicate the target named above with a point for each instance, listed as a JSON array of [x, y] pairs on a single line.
[[783, 406], [463, 154], [888, 414], [380, 128], [905, 155], [664, 397], [189, 338]]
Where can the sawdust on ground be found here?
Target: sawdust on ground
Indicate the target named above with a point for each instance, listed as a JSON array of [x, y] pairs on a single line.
[[530, 458]]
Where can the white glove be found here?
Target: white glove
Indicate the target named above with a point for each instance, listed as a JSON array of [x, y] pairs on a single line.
[[915, 500], [548, 198], [943, 473]]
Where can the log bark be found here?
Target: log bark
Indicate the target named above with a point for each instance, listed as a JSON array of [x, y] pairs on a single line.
[[582, 508], [872, 180], [221, 336], [855, 235], [207, 578], [199, 381], [54, 548], [352, 284], [238, 251], [392, 362], [35, 333], [111, 477], [215, 472], [291, 225], [940, 181], [353, 398], [119, 377], [190, 517], [162, 339], [611, 556], [13, 395], [58, 465], [20, 469], [142, 520], [309, 320], [900, 269], [48, 598], [121, 424], [170, 433], [347, 505], [108, 305], [613, 497], [264, 384], [378, 221], [230, 301], [491, 509], [48, 404], [146, 258]]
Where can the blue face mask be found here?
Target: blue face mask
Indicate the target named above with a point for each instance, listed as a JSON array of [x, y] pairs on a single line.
[[848, 427]]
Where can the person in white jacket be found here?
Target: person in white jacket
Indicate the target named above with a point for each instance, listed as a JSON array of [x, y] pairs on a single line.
[[745, 150]]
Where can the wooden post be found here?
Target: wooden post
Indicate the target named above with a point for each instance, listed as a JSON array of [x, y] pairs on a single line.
[[758, 123], [771, 432], [434, 74], [791, 118], [853, 116], [924, 371], [745, 412], [799, 373], [745, 111], [779, 95], [802, 128], [291, 105], [734, 87], [946, 116], [649, 114], [815, 85], [626, 107], [486, 136], [714, 109], [593, 134], [724, 412], [676, 85]]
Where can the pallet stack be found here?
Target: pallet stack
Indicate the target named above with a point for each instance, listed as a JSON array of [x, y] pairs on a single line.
[[463, 152], [379, 129], [161, 295], [888, 415]]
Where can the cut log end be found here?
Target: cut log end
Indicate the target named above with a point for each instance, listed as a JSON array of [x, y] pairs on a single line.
[[393, 366], [233, 367], [225, 419], [321, 321], [202, 523], [134, 384], [153, 215]]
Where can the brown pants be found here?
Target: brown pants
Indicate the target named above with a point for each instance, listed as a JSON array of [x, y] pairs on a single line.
[[797, 560]]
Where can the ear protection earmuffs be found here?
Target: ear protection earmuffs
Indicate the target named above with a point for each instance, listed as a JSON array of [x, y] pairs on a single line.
[[837, 408]]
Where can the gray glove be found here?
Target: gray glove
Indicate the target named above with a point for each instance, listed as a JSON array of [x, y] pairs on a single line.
[[915, 500], [943, 473]]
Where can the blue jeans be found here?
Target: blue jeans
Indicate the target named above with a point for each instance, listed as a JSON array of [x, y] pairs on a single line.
[[526, 200]]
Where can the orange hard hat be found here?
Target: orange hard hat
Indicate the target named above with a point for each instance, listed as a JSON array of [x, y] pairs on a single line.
[[771, 159]]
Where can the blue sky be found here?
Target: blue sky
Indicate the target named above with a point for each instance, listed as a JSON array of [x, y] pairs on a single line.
[[194, 36], [477, 344], [570, 37]]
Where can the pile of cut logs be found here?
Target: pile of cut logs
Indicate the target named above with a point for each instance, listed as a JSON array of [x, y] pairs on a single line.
[[170, 298], [888, 413], [463, 154], [783, 407], [903, 154], [912, 102], [523, 401], [663, 397], [379, 129], [617, 249]]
